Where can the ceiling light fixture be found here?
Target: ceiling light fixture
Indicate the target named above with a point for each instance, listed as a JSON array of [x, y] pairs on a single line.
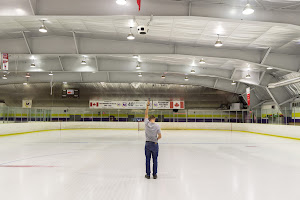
[[193, 71], [140, 75], [202, 61], [218, 42], [248, 75], [163, 76], [233, 83], [269, 68], [83, 62], [135, 56], [138, 66], [121, 2], [65, 83], [4, 77], [27, 75], [248, 10], [130, 35], [25, 83], [43, 28], [32, 64], [50, 74], [186, 78]]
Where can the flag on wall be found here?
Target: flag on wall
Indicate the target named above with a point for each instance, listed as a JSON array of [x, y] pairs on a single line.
[[5, 61], [248, 95], [139, 4], [94, 104], [177, 105]]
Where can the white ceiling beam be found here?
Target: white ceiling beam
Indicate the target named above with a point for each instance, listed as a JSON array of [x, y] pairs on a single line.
[[108, 77], [261, 77], [273, 98], [289, 6], [262, 102], [75, 42], [216, 82], [266, 55], [233, 72], [57, 45], [289, 100], [237, 87], [169, 8], [32, 4], [81, 79], [26, 42], [61, 65], [260, 3], [190, 7], [96, 61], [255, 95]]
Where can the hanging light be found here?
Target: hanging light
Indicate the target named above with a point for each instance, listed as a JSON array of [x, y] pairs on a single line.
[[233, 83], [248, 75], [43, 28], [121, 2], [186, 78], [32, 64], [193, 71], [4, 77], [138, 66], [50, 74], [27, 75], [65, 83], [218, 42], [83, 62], [202, 61], [25, 83], [130, 35], [248, 10], [163, 76], [140, 75], [269, 68], [135, 56]]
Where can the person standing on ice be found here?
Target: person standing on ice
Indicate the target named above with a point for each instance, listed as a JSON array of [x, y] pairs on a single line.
[[153, 134]]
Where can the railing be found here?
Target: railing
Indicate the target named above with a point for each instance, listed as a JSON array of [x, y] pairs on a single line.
[[272, 116]]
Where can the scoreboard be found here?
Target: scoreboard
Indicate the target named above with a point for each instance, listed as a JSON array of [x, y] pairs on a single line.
[[70, 93]]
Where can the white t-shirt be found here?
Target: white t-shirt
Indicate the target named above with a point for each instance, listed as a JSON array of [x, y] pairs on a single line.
[[151, 131]]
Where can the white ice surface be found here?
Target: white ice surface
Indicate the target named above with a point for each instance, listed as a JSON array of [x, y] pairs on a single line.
[[109, 165]]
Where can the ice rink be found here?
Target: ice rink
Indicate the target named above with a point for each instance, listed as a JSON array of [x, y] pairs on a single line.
[[110, 165]]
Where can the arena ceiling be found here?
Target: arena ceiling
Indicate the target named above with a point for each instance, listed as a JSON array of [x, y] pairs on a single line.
[[264, 45]]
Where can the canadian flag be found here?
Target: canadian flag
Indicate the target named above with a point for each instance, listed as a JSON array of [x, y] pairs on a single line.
[[177, 104], [139, 4], [94, 104]]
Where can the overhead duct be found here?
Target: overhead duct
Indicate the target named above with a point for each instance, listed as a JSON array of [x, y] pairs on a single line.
[[284, 82]]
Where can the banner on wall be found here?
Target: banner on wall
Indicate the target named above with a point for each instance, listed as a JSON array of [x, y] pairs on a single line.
[[119, 104], [168, 104], [5, 61], [248, 95], [26, 103], [136, 104]]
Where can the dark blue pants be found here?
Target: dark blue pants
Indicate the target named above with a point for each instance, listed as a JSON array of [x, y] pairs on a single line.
[[151, 149]]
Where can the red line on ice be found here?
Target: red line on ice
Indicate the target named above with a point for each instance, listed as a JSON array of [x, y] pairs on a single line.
[[26, 166]]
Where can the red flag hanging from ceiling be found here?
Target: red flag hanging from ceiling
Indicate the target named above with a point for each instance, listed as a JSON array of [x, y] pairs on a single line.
[[139, 3], [248, 95]]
